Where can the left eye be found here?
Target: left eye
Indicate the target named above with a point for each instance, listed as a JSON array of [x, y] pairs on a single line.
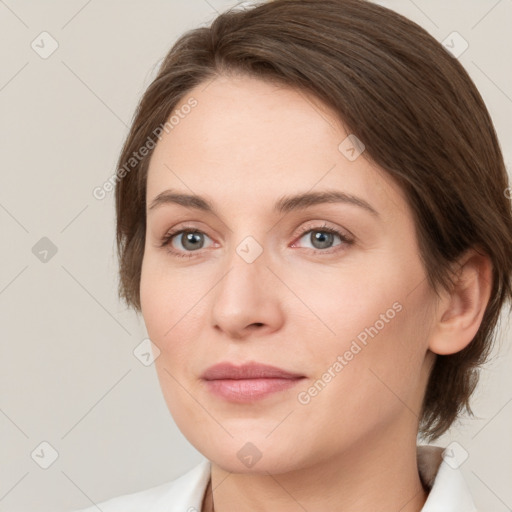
[[322, 238]]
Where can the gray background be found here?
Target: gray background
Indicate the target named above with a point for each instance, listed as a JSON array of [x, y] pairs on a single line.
[[68, 372]]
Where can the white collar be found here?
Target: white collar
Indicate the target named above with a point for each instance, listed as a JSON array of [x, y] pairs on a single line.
[[448, 490]]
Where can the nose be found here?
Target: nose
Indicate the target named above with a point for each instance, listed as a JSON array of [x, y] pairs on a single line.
[[247, 301]]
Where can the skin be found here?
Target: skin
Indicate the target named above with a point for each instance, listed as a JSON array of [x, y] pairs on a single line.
[[353, 446]]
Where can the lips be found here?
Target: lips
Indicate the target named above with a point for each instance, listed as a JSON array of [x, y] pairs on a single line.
[[247, 371], [248, 382]]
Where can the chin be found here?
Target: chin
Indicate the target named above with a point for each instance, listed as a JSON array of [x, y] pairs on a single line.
[[240, 455], [273, 464]]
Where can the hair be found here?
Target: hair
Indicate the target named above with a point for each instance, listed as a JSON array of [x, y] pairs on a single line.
[[399, 91]]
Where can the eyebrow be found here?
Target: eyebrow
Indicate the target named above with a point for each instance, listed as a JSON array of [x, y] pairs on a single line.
[[284, 205]]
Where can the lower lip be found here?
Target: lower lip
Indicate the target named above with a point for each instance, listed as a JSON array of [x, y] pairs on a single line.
[[248, 390]]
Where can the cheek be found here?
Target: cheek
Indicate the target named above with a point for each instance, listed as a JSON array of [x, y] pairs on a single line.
[[172, 304], [369, 377], [168, 312], [151, 297], [354, 303], [377, 329], [159, 304]]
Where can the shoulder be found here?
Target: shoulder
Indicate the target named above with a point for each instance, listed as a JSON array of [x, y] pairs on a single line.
[[185, 493]]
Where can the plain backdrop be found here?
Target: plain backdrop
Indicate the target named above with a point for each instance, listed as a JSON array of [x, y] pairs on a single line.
[[74, 397]]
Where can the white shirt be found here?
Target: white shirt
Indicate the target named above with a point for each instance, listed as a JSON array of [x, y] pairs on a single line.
[[448, 489]]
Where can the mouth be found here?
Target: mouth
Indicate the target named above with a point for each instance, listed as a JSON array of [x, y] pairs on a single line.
[[248, 382]]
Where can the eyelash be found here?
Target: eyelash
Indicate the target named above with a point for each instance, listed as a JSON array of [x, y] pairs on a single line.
[[166, 240]]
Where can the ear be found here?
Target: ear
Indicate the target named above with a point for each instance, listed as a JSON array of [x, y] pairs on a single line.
[[460, 311]]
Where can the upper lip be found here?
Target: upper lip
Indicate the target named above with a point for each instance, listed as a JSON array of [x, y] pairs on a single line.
[[252, 370]]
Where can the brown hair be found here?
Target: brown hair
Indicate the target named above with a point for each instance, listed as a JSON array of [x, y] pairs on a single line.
[[399, 91]]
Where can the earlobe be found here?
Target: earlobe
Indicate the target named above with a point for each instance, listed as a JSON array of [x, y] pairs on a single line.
[[461, 310]]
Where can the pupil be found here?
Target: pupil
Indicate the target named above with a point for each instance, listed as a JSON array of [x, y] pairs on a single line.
[[323, 238], [190, 238]]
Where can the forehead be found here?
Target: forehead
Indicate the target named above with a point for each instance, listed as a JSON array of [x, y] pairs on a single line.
[[247, 141]]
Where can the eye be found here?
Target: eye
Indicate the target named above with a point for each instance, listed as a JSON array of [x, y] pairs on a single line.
[[189, 238], [322, 238]]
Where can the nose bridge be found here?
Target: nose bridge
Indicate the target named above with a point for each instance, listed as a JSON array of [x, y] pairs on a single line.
[[246, 268], [245, 246]]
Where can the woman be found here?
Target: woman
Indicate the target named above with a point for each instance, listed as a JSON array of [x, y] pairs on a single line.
[[313, 220]]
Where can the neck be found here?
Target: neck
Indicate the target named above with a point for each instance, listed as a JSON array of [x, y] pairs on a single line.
[[381, 476]]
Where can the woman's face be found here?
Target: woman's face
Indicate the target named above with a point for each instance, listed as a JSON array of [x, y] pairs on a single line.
[[264, 280]]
